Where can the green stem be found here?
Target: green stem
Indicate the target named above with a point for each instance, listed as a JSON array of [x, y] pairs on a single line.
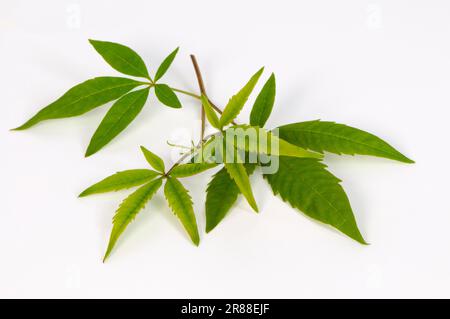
[[198, 97], [196, 148], [201, 85], [187, 93]]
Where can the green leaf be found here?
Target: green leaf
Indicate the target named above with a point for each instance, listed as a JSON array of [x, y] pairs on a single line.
[[263, 104], [236, 103], [121, 58], [210, 113], [121, 180], [257, 140], [165, 64], [185, 170], [83, 98], [128, 210], [338, 138], [308, 186], [167, 96], [120, 115], [288, 149], [221, 194], [181, 204], [239, 175], [154, 160]]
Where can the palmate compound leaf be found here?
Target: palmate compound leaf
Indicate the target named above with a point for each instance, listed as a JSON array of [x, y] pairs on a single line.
[[154, 160], [264, 103], [190, 169], [128, 210], [308, 186], [165, 65], [119, 116], [236, 103], [181, 204], [338, 138], [121, 58], [121, 180], [83, 98], [167, 96], [221, 194]]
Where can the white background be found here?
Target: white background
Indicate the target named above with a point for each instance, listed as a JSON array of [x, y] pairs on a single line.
[[382, 66]]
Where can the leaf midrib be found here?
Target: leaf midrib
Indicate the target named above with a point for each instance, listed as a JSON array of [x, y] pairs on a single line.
[[140, 180], [98, 92], [179, 198], [345, 139], [126, 61], [260, 114], [133, 212], [324, 198], [121, 116]]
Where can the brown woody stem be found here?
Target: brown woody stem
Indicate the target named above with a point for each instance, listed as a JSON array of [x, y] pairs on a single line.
[[202, 91], [201, 85]]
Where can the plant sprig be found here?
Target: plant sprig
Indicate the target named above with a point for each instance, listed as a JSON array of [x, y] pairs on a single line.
[[301, 178]]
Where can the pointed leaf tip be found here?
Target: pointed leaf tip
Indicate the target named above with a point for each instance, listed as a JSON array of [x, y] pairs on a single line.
[[221, 194], [337, 138], [264, 103], [83, 98], [88, 153], [82, 194], [237, 101], [238, 173], [408, 161], [308, 186], [165, 65], [128, 210], [154, 160]]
